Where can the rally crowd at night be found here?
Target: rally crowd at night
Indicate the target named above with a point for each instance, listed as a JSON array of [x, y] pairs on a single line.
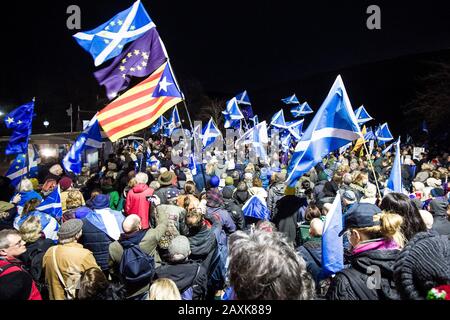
[[333, 210]]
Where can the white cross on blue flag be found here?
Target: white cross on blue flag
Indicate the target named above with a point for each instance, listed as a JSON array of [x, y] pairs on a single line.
[[334, 126], [108, 40]]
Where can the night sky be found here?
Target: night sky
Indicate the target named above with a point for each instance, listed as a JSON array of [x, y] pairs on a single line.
[[270, 48]]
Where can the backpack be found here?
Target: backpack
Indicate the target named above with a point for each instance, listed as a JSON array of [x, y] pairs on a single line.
[[188, 294], [136, 266]]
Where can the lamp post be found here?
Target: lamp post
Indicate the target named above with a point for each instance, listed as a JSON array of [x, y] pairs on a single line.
[[46, 124]]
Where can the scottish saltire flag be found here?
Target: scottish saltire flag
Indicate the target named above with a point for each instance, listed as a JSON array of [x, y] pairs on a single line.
[[424, 126], [387, 149], [192, 165], [278, 120], [362, 115], [344, 148], [256, 207], [332, 243], [394, 183], [108, 40], [140, 59], [286, 143], [333, 126], [91, 138], [369, 135], [246, 106], [383, 134], [159, 125], [153, 161], [295, 128], [19, 168], [52, 204], [258, 138], [210, 133], [108, 221], [232, 114], [255, 120], [19, 120], [291, 100], [174, 122], [49, 223], [301, 110]]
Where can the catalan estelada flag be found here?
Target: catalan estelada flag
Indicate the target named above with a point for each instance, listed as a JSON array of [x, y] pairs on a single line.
[[142, 105]]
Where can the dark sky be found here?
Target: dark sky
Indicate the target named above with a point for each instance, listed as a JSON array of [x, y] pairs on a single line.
[[227, 46]]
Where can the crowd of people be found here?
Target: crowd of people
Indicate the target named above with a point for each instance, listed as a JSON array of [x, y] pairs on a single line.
[[145, 228]]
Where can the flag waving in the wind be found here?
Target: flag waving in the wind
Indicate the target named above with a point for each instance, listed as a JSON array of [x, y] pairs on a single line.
[[256, 207], [278, 120], [142, 105], [295, 128], [52, 204], [301, 110], [90, 138], [362, 115], [394, 183], [108, 40], [246, 106], [19, 120], [140, 59], [232, 114], [159, 125], [334, 126], [383, 134], [174, 122], [291, 100], [210, 133], [257, 137], [19, 167]]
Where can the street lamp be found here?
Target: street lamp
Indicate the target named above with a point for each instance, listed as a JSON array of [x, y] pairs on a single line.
[[46, 124]]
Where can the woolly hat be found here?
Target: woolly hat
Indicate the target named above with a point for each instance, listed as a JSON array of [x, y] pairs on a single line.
[[69, 229], [214, 182], [179, 248], [227, 192], [422, 265], [65, 183], [229, 181]]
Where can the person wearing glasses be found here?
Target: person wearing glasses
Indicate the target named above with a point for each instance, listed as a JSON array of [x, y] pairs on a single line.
[[15, 282]]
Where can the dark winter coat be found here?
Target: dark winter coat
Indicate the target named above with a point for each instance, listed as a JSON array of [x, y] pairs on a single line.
[[439, 210], [32, 258], [185, 275], [311, 252], [235, 212], [351, 283], [276, 192], [97, 242], [285, 217]]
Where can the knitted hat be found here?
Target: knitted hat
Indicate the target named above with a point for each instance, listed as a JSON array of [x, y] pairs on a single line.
[[100, 202], [166, 178], [229, 181], [69, 229], [422, 265], [214, 182], [179, 248], [214, 198], [65, 183]]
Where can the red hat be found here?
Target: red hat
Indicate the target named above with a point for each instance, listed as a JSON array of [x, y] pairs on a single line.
[[65, 183]]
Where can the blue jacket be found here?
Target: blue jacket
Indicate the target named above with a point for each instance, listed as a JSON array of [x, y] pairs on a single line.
[[96, 241]]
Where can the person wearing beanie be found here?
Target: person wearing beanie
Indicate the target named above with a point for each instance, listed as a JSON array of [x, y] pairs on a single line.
[[189, 276], [229, 183], [233, 208], [68, 259], [422, 265], [214, 182], [375, 238], [66, 185], [438, 208]]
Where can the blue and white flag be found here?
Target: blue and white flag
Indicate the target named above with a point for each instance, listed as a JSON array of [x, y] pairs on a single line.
[[107, 220], [19, 168], [210, 133], [108, 40], [362, 115], [332, 243], [369, 135], [333, 126], [159, 125], [258, 138], [153, 161], [49, 224], [246, 106], [256, 207], [232, 114], [278, 120], [192, 165], [383, 134], [20, 121], [387, 149], [91, 138], [286, 143], [301, 110], [174, 122], [295, 128], [394, 183], [291, 100], [255, 120], [52, 204]]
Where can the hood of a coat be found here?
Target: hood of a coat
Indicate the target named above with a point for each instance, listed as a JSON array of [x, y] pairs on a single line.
[[438, 207], [140, 188]]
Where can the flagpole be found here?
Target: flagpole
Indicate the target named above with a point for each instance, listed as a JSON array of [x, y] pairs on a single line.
[[373, 170]]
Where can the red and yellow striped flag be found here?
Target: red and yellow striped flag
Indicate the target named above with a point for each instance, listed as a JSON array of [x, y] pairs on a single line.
[[142, 105]]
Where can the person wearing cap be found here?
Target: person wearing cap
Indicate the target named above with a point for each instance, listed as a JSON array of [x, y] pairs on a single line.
[[176, 217], [7, 213], [137, 200], [422, 265], [189, 276], [67, 260], [15, 283], [101, 227], [66, 185], [348, 201], [375, 238], [167, 181]]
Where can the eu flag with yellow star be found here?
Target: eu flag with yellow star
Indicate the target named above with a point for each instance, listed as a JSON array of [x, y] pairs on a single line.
[[140, 59], [19, 167], [19, 120]]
